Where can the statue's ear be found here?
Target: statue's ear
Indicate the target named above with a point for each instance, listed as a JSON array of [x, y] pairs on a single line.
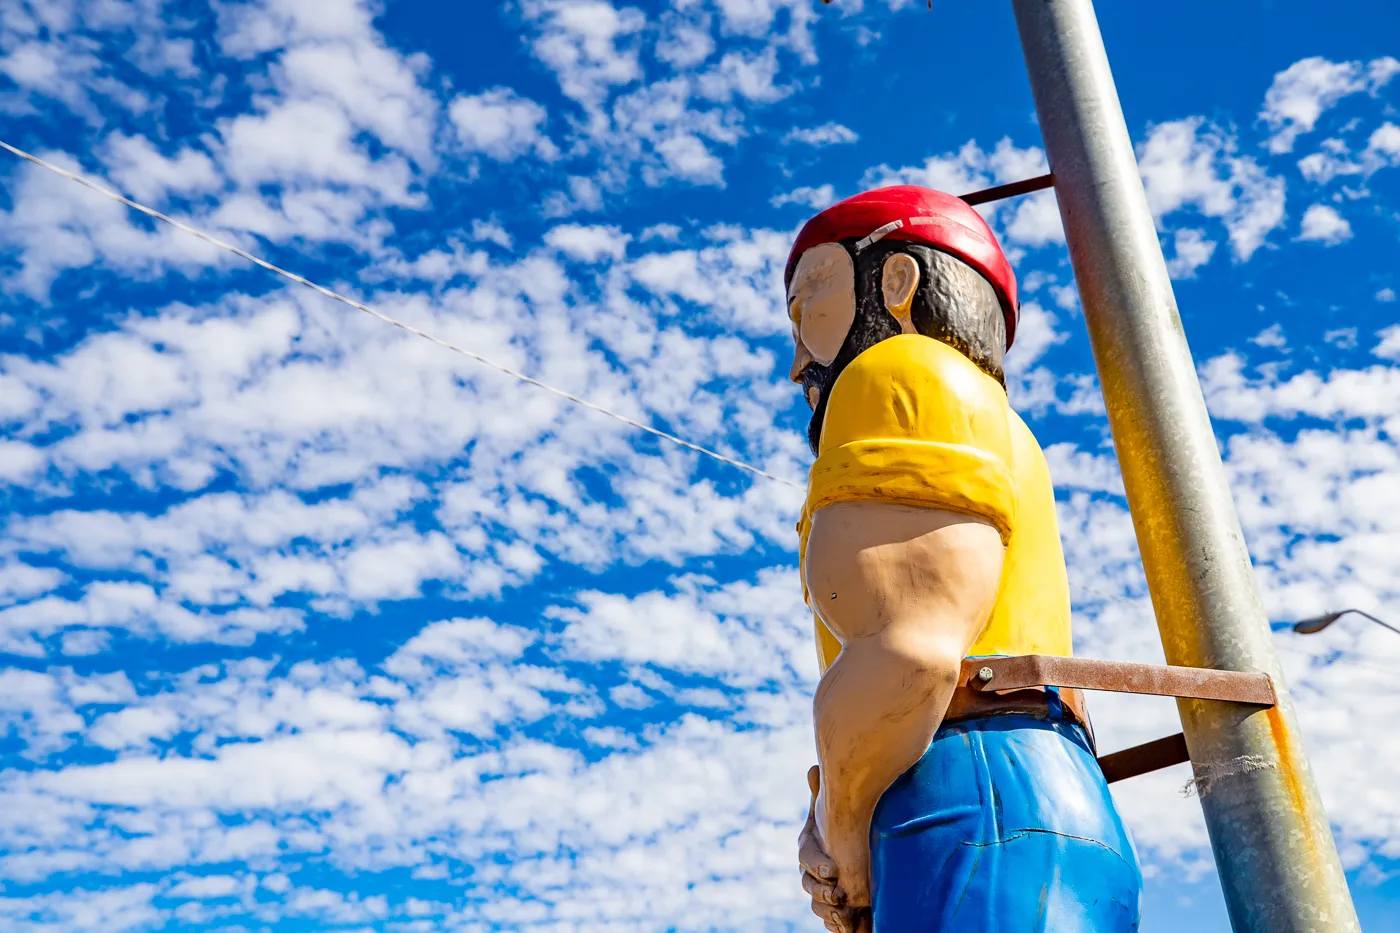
[[899, 281]]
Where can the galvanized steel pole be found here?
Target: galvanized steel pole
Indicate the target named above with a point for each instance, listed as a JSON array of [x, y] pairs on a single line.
[[1278, 863]]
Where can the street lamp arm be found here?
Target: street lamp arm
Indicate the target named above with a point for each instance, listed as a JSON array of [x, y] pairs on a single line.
[[1318, 623], [1379, 622]]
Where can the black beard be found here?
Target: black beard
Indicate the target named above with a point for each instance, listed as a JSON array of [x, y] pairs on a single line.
[[819, 377]]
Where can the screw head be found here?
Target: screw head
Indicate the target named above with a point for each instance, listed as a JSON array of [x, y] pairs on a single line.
[[986, 674]]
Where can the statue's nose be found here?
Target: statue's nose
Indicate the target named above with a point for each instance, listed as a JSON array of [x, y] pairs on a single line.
[[800, 359]]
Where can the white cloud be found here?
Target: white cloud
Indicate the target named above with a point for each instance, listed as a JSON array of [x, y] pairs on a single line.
[[49, 52], [743, 75], [137, 608], [1031, 386], [814, 198], [491, 232], [1343, 338], [1191, 250], [1317, 515], [1383, 147], [672, 124], [297, 158], [955, 172], [583, 194], [737, 278], [687, 157], [55, 225], [43, 711], [1334, 157], [296, 465], [1192, 164], [308, 142], [1034, 221], [1303, 91], [699, 630], [1335, 396], [1322, 224], [1076, 469], [319, 737], [1385, 294], [1036, 333], [335, 56], [668, 232], [500, 124], [587, 44], [1271, 337], [588, 244], [685, 42], [141, 171], [759, 18], [19, 461], [1389, 347], [116, 910], [828, 134]]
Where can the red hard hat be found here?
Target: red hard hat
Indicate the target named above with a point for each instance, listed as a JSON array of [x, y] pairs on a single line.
[[919, 215]]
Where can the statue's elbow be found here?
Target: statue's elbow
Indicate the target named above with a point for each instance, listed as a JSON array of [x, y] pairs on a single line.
[[934, 650]]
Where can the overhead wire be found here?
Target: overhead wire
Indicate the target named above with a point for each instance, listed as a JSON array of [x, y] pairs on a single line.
[[409, 328]]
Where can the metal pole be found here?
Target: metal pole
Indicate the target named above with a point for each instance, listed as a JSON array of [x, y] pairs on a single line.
[[1278, 863]]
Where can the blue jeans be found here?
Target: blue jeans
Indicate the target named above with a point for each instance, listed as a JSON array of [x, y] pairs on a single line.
[[1005, 825]]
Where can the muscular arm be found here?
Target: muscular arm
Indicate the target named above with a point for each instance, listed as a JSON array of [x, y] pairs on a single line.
[[906, 590]]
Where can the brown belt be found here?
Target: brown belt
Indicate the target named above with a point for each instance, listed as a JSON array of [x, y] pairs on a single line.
[[969, 703]]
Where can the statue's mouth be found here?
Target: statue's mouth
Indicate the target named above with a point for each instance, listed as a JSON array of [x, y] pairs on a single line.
[[811, 389], [813, 379]]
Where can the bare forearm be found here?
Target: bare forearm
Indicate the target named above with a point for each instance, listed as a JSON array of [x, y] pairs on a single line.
[[876, 711]]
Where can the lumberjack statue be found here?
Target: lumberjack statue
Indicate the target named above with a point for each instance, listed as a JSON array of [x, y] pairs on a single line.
[[929, 536]]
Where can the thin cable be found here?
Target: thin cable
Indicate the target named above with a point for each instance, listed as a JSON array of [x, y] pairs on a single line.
[[300, 280]]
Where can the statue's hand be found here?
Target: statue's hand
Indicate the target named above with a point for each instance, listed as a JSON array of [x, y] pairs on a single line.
[[819, 878]]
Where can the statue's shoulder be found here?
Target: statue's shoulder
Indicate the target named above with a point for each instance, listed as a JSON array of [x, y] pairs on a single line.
[[916, 387], [916, 367]]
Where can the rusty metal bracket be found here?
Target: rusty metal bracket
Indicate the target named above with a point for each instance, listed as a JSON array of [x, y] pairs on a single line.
[[995, 675], [1002, 675], [1144, 758]]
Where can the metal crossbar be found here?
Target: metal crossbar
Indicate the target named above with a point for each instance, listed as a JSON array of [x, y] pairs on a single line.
[[1007, 675], [1010, 190]]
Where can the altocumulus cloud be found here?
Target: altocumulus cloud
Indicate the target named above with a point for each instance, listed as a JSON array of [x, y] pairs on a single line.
[[308, 622]]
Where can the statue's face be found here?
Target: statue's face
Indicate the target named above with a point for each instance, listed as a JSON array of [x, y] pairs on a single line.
[[822, 307]]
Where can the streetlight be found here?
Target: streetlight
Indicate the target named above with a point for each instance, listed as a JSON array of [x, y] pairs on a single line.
[[1318, 623]]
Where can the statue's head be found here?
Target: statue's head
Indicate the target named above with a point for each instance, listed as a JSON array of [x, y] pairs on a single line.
[[895, 260]]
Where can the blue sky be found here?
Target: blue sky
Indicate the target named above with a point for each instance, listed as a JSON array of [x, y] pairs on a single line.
[[310, 624]]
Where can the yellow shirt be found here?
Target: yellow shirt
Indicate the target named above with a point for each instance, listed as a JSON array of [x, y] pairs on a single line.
[[913, 421]]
